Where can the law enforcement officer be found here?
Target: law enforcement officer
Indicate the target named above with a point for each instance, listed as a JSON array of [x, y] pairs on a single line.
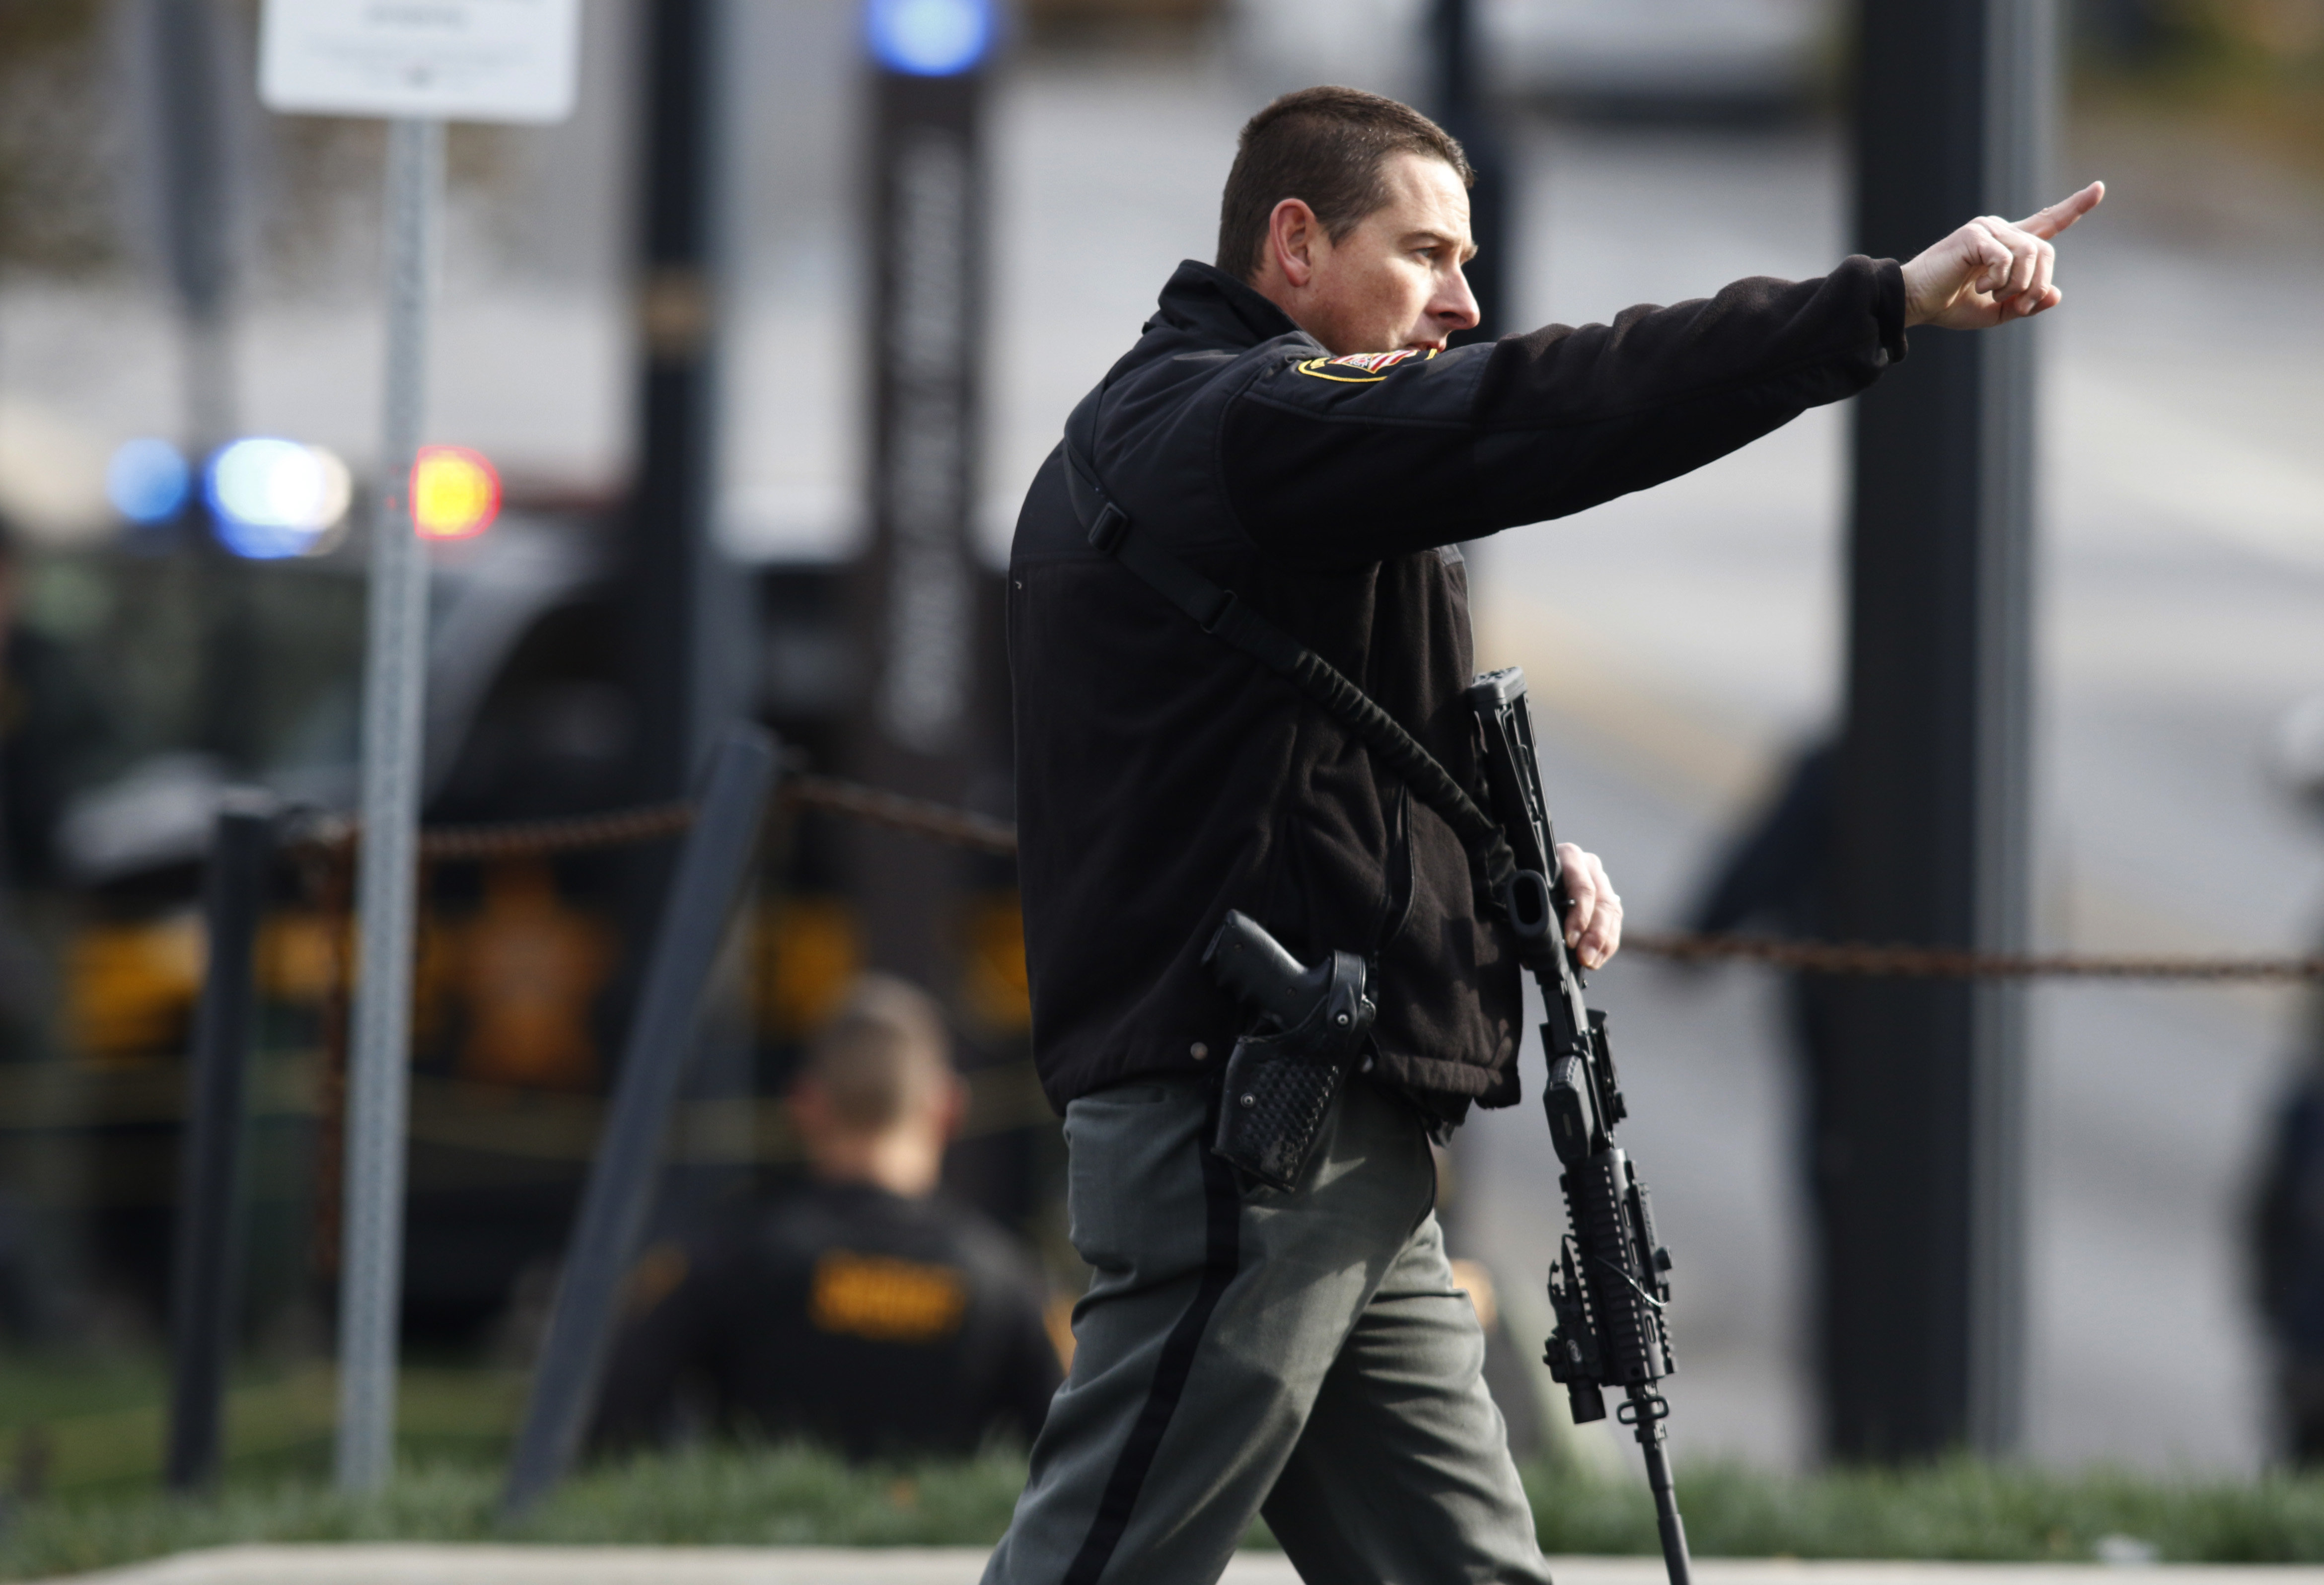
[[1291, 427], [54, 735], [2285, 1215], [866, 1311]]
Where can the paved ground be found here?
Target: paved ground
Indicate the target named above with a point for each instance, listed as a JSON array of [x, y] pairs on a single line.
[[545, 1565]]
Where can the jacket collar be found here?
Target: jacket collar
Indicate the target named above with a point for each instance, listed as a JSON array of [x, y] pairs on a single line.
[[1213, 305]]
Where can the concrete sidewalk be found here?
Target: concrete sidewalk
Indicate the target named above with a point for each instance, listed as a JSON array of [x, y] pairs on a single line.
[[737, 1565]]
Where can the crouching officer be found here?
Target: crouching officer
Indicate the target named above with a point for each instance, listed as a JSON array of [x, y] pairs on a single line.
[[1250, 527], [867, 1311]]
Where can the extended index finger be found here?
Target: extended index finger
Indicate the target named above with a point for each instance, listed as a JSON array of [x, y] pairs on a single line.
[[2048, 223]]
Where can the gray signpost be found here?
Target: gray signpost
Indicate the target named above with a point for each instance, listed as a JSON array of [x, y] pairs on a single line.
[[419, 65], [394, 683]]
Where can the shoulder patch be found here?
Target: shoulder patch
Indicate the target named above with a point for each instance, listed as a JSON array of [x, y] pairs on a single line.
[[1362, 368]]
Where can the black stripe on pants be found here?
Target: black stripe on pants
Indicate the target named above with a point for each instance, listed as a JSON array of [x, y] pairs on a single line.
[[1222, 1254]]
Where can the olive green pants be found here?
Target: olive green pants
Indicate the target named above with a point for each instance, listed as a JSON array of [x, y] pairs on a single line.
[[1242, 1351]]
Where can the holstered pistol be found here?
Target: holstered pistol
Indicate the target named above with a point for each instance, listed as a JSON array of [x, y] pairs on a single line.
[[1281, 1079]]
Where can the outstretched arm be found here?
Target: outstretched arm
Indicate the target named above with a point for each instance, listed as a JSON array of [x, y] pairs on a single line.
[[1990, 272], [1329, 462]]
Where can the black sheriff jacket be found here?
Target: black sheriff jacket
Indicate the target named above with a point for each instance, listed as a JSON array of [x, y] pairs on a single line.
[[1164, 778]]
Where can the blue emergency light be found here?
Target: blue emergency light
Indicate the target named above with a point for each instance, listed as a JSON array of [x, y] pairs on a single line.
[[928, 38], [273, 498]]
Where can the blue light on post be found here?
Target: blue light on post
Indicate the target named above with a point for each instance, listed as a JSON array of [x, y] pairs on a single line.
[[928, 38], [271, 498]]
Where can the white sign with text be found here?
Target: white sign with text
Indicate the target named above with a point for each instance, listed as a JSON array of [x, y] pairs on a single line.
[[440, 60]]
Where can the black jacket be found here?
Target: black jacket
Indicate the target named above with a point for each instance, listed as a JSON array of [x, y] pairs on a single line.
[[875, 1325], [1162, 778]]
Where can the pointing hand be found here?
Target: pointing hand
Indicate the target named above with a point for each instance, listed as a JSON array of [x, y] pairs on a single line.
[[1990, 272]]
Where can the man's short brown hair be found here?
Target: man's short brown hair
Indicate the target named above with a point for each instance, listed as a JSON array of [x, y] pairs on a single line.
[[1324, 147], [879, 1059]]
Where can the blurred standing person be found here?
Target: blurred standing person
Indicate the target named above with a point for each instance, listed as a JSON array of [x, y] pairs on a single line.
[[868, 1312], [50, 730], [1776, 874], [2287, 1210], [49, 725]]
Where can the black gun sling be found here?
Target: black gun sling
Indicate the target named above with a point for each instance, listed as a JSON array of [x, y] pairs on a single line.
[[1218, 612]]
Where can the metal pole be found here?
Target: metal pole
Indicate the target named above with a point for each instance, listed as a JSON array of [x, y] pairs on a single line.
[[918, 585], [690, 610], [2021, 91], [186, 41], [395, 680], [1461, 107], [1920, 1162], [208, 1255], [926, 610], [712, 870], [197, 209]]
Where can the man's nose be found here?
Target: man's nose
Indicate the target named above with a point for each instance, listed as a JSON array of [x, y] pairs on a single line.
[[1456, 306]]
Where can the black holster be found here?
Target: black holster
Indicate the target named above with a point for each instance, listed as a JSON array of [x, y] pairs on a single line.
[[1279, 1087]]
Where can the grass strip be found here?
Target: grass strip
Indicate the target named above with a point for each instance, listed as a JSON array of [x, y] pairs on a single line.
[[1957, 1509], [1960, 1509], [780, 1496]]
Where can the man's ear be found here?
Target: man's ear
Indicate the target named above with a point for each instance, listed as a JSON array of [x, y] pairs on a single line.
[[1293, 238], [810, 1108], [953, 1107]]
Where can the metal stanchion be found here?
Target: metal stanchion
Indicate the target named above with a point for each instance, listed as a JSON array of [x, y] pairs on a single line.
[[710, 872], [206, 1277], [1922, 1205], [371, 1267]]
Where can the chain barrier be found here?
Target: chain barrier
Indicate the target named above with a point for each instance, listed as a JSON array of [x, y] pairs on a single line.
[[522, 839], [919, 817], [942, 822], [518, 838], [1937, 962], [325, 850]]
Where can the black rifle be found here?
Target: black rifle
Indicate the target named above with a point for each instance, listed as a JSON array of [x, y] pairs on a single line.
[[1612, 1279]]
